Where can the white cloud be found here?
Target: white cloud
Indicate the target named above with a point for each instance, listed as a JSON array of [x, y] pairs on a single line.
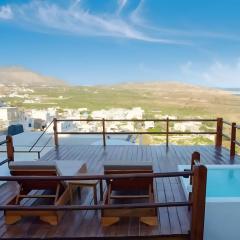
[[223, 73], [136, 15], [137, 18], [216, 74], [48, 16], [6, 12], [121, 5]]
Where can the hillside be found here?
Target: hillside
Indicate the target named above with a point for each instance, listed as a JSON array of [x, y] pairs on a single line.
[[20, 76], [169, 98], [185, 99]]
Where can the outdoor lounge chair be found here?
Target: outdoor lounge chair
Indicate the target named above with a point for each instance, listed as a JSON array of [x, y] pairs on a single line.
[[131, 190], [53, 192]]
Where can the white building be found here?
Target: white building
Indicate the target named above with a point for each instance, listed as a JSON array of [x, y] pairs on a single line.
[[187, 126], [119, 113], [66, 126], [10, 115], [149, 124], [135, 113], [34, 117], [45, 114]]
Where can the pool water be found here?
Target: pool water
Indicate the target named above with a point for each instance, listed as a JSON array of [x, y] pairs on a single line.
[[223, 182], [222, 202]]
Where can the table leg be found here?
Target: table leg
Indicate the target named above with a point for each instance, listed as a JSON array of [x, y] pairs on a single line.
[[95, 194], [70, 192], [101, 190], [79, 189]]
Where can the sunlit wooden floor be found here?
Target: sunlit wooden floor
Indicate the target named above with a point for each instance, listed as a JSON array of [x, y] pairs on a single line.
[[173, 222]]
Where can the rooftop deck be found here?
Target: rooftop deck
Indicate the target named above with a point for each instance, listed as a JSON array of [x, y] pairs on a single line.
[[173, 222]]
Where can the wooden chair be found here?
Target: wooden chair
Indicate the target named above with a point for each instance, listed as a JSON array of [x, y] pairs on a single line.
[[53, 192], [131, 190]]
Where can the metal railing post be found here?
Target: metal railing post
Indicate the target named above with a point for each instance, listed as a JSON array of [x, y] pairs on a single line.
[[103, 132], [233, 140], [219, 132], [55, 131]]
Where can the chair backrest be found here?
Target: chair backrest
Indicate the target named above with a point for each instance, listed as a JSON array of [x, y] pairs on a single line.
[[46, 168], [125, 167], [34, 168]]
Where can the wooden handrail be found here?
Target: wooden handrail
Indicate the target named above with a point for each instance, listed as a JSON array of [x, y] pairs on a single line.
[[226, 136], [219, 131], [20, 151], [237, 142], [167, 132], [118, 133], [227, 123], [93, 207], [28, 151], [137, 120], [111, 120], [192, 120], [98, 177]]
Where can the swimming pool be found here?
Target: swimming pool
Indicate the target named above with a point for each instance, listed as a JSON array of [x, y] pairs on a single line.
[[222, 211]]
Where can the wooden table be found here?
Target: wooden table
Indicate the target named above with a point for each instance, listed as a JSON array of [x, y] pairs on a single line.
[[83, 183]]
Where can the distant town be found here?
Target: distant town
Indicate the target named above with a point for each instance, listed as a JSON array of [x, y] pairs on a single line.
[[30, 107], [38, 120]]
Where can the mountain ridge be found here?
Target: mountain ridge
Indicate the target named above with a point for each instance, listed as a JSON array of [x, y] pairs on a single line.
[[17, 75]]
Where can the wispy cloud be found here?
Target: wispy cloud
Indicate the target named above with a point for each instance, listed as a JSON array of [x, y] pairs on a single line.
[[216, 74], [6, 12], [121, 5], [136, 15], [47, 15], [137, 18], [76, 18]]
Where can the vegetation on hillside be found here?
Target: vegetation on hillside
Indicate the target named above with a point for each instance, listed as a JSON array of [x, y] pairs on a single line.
[[157, 99]]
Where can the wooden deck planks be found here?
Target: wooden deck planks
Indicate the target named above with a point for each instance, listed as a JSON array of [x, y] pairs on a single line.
[[172, 221]]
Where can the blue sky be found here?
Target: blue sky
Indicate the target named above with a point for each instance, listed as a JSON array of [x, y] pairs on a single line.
[[87, 42]]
